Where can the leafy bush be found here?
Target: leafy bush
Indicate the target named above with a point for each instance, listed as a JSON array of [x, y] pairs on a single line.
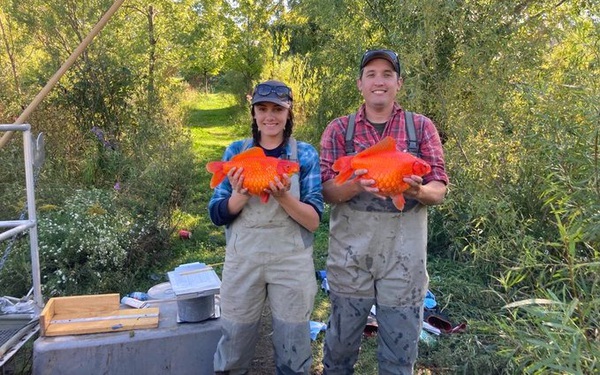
[[84, 243]]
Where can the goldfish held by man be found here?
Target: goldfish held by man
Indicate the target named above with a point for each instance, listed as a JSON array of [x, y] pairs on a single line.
[[259, 170], [384, 164]]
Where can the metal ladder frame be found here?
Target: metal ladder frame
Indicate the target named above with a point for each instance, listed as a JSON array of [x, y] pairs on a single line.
[[33, 153]]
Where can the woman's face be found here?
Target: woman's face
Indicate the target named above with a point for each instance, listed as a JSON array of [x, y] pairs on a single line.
[[270, 118]]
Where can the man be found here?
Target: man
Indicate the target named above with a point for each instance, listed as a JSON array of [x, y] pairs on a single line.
[[377, 254]]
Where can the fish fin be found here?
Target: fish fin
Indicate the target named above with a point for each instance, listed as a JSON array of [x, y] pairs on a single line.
[[421, 167], [399, 201], [216, 168], [264, 197], [252, 152], [344, 166], [387, 144], [342, 177]]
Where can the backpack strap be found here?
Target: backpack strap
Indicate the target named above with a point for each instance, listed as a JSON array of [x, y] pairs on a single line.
[[350, 135], [413, 145]]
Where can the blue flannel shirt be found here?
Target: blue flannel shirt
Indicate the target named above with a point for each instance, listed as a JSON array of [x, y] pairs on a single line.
[[310, 180]]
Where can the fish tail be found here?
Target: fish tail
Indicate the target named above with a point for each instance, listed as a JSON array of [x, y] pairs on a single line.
[[399, 201], [344, 167], [216, 168], [264, 197]]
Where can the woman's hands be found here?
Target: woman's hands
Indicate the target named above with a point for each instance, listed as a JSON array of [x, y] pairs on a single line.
[[239, 196], [279, 187]]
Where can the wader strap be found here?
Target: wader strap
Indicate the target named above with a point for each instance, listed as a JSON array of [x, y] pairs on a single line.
[[248, 142], [350, 135], [293, 156], [413, 146]]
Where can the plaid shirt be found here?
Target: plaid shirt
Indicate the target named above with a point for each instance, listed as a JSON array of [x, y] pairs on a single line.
[[310, 181], [365, 135]]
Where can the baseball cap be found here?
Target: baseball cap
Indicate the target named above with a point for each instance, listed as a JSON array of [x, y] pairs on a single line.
[[385, 54], [274, 92]]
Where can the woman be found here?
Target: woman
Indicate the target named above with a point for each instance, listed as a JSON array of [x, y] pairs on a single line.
[[269, 245]]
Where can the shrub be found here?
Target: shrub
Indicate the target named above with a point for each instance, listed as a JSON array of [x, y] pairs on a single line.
[[83, 244]]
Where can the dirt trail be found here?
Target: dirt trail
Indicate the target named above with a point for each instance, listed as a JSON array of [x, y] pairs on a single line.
[[263, 363]]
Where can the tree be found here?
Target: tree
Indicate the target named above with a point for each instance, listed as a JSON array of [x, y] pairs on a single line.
[[204, 42]]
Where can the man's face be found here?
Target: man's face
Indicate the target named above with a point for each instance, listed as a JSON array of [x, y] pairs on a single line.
[[379, 83]]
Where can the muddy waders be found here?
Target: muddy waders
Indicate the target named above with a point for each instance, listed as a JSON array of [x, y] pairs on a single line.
[[268, 259], [375, 258]]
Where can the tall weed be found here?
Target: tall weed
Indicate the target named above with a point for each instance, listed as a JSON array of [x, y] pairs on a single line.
[[547, 335]]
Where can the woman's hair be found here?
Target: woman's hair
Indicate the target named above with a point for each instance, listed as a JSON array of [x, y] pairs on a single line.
[[287, 131]]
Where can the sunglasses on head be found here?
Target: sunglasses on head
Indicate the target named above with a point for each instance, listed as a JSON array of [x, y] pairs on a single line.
[[282, 92], [391, 54]]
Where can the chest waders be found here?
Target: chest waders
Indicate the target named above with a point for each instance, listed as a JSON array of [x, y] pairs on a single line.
[[268, 259], [377, 256]]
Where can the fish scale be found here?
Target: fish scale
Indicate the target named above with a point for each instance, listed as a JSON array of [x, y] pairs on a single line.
[[258, 177]]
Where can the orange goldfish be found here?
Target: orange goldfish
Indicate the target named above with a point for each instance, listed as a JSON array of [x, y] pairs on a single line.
[[384, 164], [259, 170]]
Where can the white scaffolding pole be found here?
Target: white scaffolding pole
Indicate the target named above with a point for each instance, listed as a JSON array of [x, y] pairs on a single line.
[[30, 223]]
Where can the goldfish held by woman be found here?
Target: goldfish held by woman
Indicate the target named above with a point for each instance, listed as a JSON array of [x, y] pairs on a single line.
[[384, 164], [259, 170]]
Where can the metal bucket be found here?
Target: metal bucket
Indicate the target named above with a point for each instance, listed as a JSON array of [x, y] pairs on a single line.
[[188, 310], [196, 309]]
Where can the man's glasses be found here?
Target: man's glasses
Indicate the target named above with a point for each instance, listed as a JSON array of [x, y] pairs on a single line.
[[283, 92], [391, 54]]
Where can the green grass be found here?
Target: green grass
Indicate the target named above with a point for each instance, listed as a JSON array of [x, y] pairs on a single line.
[[214, 121]]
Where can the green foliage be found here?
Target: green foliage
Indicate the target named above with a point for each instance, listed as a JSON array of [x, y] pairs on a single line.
[[83, 244], [205, 42], [547, 335], [12, 180]]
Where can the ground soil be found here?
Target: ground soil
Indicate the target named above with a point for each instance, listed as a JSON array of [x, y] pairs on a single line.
[[263, 363]]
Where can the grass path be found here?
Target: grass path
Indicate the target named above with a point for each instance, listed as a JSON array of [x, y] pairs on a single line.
[[211, 120], [213, 123]]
